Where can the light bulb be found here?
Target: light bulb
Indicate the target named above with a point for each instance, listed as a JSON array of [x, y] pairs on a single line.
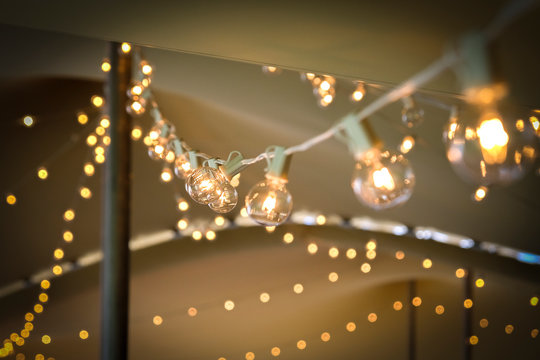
[[160, 134], [166, 175], [182, 167], [226, 201], [484, 148], [136, 89], [411, 114], [204, 185], [136, 106], [359, 93], [269, 202], [382, 180]]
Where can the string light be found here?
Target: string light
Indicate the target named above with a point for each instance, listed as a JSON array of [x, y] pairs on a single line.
[[439, 309], [288, 238], [468, 303], [97, 101], [298, 288], [157, 320], [333, 252], [406, 144], [398, 305], [400, 255], [271, 70], [416, 301], [166, 175], [58, 254], [301, 344], [69, 215], [42, 173], [182, 224], [126, 47], [264, 297], [312, 248], [365, 268], [82, 118], [484, 323], [473, 340], [210, 235], [480, 283], [534, 301], [427, 263], [333, 277], [196, 235], [67, 236], [91, 140], [11, 199], [85, 192], [480, 193], [325, 336], [372, 317], [359, 93], [219, 220], [229, 305], [136, 133], [192, 312], [351, 253], [29, 121], [105, 65], [460, 273], [509, 329], [89, 169], [83, 334], [351, 326], [275, 351]]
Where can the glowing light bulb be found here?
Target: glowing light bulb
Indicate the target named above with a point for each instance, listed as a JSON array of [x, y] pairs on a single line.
[[146, 68], [411, 115], [269, 202], [136, 106], [97, 101], [204, 185], [136, 89], [358, 93], [182, 167], [28, 121], [82, 118], [226, 201], [382, 180], [166, 175], [159, 135], [126, 47], [105, 65], [485, 149], [136, 133], [407, 144], [42, 173], [480, 193]]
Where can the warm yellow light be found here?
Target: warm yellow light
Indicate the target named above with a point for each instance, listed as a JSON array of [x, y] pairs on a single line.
[[333, 277], [427, 263], [509, 329], [250, 356], [11, 199], [210, 235], [136, 106], [371, 245], [398, 305], [145, 82], [439, 309], [325, 336], [320, 220], [40, 357], [126, 47], [182, 224], [298, 288], [480, 283], [97, 101], [229, 305], [484, 323], [67, 236], [192, 311], [137, 90], [333, 252], [89, 169], [269, 203], [20, 342], [371, 254], [196, 235], [85, 192], [38, 308], [13, 337], [534, 333], [219, 220], [350, 326], [351, 253], [243, 212], [493, 140], [45, 284], [166, 175], [83, 334], [535, 124], [25, 333], [417, 301], [100, 159], [288, 238], [28, 121], [58, 254], [407, 144], [105, 122], [400, 255], [69, 215], [534, 301], [301, 344], [157, 320], [29, 326], [460, 273], [235, 181], [57, 270], [473, 340], [28, 317], [105, 65], [42, 173], [520, 125], [312, 248], [46, 339], [372, 317], [365, 268], [91, 140], [106, 140], [146, 69], [275, 351], [382, 179], [468, 303], [82, 118], [480, 193], [264, 297], [183, 205], [43, 297], [99, 150]]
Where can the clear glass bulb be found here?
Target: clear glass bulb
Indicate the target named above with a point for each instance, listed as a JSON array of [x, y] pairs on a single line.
[[159, 135], [182, 166], [226, 201], [412, 115], [382, 180], [204, 185], [484, 149], [136, 106], [269, 202]]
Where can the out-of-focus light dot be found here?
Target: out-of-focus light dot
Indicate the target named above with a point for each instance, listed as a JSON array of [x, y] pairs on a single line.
[[427, 263], [97, 101], [28, 121], [509, 329], [69, 215], [106, 140], [275, 351], [473, 340], [85, 192], [264, 297], [480, 283], [20, 356], [29, 326], [219, 220], [192, 311], [288, 238], [42, 173], [105, 65], [520, 125], [45, 284], [147, 141], [146, 69], [439, 309], [91, 140], [325, 336], [270, 229], [416, 301], [534, 333], [67, 236], [83, 334], [229, 305], [89, 169], [196, 235], [100, 159], [105, 122], [298, 288], [99, 150], [28, 317], [20, 342], [407, 144], [351, 253], [40, 357], [235, 181], [468, 303], [157, 320], [371, 245], [398, 305], [221, 358], [365, 268], [333, 277], [480, 193], [25, 333], [250, 356], [371, 254], [58, 254], [46, 339], [137, 90], [372, 317], [38, 308], [14, 337], [312, 248], [182, 224], [43, 297], [301, 344], [333, 252], [460, 273], [11, 199], [320, 220], [126, 47], [484, 323], [57, 270], [170, 157], [400, 255], [210, 235], [243, 212], [166, 175], [136, 133], [350, 326], [534, 301], [82, 118]]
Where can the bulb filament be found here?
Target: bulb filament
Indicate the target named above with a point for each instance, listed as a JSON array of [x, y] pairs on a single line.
[[383, 180]]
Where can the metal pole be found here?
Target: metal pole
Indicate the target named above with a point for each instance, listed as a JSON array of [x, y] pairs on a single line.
[[467, 315], [412, 321], [116, 212]]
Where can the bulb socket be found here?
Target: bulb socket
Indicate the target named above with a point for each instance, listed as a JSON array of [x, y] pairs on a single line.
[[233, 165], [359, 137], [278, 163]]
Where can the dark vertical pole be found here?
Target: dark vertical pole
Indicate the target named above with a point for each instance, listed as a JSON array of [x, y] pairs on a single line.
[[116, 203], [467, 315], [412, 320]]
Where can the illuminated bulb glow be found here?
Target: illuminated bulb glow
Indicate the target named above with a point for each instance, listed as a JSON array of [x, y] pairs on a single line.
[[89, 169], [312, 248], [42, 173], [196, 235], [351, 253], [105, 66], [157, 320], [67, 236], [407, 144], [493, 140], [126, 47], [136, 133], [182, 224], [229, 305], [210, 235], [97, 101], [333, 252], [383, 180], [219, 220], [83, 334], [183, 205], [298, 288], [288, 238], [480, 193], [28, 121], [11, 199]]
